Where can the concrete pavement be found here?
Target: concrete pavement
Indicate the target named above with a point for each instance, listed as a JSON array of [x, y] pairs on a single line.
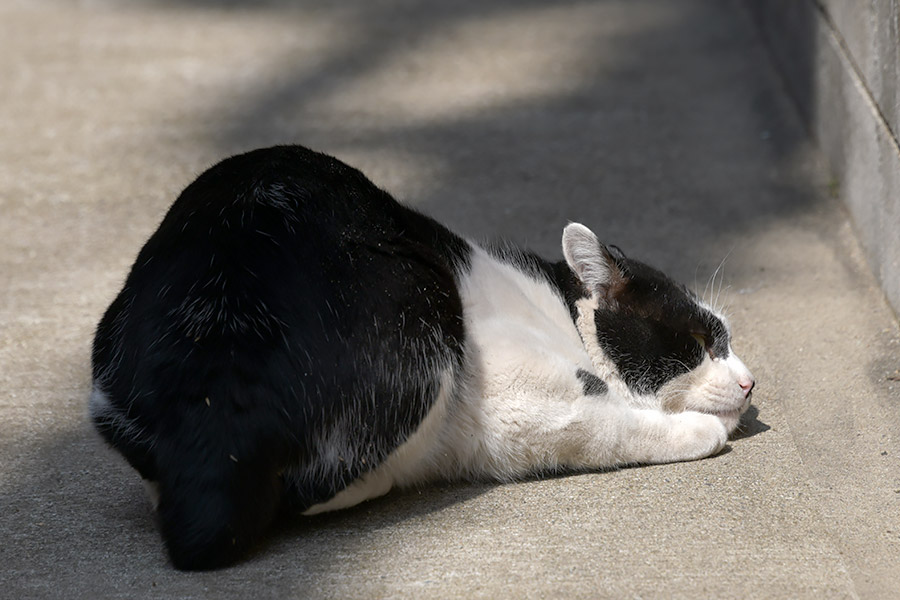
[[660, 124]]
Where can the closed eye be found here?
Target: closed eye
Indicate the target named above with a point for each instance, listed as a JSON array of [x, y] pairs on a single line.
[[703, 341]]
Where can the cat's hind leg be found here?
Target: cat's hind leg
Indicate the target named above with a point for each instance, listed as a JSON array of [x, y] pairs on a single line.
[[219, 487]]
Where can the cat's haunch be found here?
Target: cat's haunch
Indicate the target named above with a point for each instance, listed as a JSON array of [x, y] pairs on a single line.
[[292, 336]]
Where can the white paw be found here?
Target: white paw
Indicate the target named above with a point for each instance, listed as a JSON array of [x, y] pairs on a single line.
[[729, 414], [698, 435], [730, 420]]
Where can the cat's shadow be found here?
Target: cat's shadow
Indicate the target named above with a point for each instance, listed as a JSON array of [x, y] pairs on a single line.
[[750, 425], [342, 532], [319, 532]]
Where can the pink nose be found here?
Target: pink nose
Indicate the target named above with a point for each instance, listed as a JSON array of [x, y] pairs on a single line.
[[746, 382]]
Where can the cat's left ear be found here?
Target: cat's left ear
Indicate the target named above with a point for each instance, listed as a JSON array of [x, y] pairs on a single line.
[[593, 263]]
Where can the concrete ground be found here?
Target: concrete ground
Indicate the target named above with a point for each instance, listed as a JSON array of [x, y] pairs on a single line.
[[661, 124]]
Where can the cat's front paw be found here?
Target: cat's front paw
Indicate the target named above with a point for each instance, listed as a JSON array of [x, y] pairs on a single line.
[[698, 435], [727, 408], [730, 418]]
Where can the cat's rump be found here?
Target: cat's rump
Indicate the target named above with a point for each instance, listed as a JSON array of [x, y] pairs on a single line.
[[285, 329]]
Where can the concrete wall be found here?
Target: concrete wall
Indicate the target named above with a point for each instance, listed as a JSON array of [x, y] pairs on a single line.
[[841, 62]]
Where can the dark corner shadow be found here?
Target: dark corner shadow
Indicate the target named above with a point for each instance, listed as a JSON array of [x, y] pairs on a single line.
[[788, 31]]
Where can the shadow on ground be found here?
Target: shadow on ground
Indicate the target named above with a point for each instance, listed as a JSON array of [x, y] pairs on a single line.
[[644, 134], [90, 496]]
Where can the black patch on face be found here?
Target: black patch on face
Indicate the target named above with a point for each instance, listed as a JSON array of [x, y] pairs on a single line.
[[655, 330], [591, 384]]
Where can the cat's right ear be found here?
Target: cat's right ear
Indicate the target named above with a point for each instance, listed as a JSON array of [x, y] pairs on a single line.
[[592, 262]]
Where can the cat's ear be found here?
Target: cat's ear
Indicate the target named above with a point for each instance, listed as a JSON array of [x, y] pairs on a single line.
[[593, 263]]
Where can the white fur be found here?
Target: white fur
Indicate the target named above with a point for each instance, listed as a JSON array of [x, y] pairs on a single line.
[[99, 407], [714, 387], [152, 490], [583, 253], [520, 408]]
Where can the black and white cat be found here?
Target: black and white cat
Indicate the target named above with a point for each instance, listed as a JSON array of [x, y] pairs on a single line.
[[292, 336]]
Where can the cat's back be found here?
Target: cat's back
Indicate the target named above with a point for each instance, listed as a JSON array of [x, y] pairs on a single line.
[[292, 229], [285, 196]]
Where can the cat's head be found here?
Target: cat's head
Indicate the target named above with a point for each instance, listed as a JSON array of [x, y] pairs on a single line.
[[653, 333]]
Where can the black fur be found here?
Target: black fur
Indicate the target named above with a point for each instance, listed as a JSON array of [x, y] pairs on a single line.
[[653, 329], [591, 384], [282, 295]]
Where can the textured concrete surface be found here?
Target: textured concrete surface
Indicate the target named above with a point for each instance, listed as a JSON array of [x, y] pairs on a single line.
[[660, 124], [840, 62], [871, 33]]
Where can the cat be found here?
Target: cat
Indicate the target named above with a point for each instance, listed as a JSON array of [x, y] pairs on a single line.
[[291, 337]]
